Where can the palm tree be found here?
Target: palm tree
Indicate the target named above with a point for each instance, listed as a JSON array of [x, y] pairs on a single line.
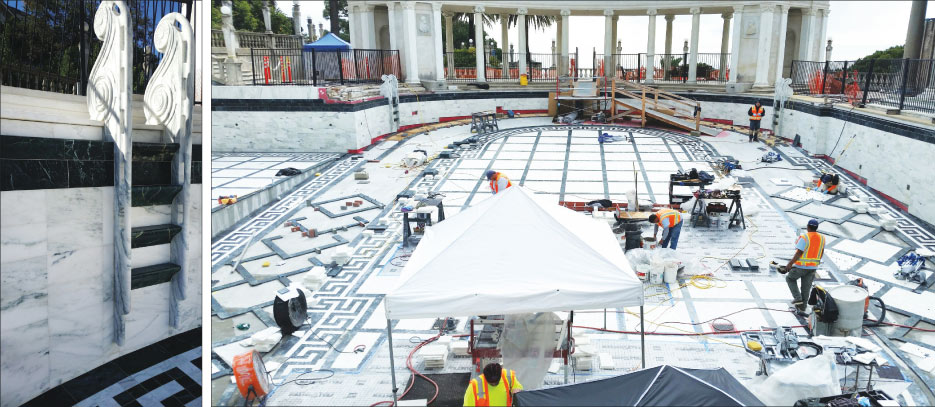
[[538, 22]]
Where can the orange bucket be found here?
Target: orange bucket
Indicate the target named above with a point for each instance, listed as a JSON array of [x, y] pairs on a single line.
[[251, 375]]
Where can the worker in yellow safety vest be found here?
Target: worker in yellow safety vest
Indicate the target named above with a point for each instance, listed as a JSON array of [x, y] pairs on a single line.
[[498, 181], [756, 113], [670, 220], [495, 387], [810, 247]]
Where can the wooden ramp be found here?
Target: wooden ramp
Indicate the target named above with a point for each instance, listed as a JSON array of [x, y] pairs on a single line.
[[639, 101]]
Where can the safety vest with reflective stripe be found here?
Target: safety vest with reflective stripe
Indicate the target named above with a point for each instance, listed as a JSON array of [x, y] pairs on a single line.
[[829, 186], [494, 182], [757, 114], [815, 248], [484, 399], [671, 216]]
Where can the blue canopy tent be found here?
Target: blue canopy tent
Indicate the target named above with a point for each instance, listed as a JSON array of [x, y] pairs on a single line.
[[328, 42]]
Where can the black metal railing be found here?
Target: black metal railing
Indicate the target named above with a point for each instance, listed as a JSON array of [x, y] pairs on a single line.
[[903, 84], [50, 44], [271, 66]]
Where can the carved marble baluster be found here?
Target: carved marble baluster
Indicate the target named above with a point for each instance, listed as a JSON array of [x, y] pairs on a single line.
[[109, 93], [168, 102]]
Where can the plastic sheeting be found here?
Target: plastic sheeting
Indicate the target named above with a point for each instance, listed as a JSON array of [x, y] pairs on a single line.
[[527, 346], [813, 377]]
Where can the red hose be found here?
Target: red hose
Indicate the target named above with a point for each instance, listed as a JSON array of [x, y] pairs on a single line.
[[415, 372]]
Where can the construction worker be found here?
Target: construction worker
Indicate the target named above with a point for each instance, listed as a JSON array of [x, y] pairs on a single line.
[[828, 183], [670, 220], [756, 113], [498, 181], [490, 390], [810, 247]]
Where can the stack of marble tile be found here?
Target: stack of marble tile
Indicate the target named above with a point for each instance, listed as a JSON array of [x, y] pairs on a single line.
[[265, 340], [584, 358], [458, 348], [434, 356], [315, 278]]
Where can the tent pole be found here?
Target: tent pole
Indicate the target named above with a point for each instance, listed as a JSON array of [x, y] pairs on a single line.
[[389, 338], [642, 341]]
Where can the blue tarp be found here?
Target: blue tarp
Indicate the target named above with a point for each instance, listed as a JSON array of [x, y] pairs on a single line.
[[328, 42]]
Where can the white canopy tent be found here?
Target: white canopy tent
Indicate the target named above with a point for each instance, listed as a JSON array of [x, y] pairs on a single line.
[[510, 254]]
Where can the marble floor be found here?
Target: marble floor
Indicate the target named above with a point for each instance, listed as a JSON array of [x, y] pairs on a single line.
[[564, 163], [166, 373], [242, 173]]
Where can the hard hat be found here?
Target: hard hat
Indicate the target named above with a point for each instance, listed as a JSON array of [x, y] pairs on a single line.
[[813, 222], [490, 174]]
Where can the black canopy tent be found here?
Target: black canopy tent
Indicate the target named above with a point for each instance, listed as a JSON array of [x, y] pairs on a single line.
[[657, 386]]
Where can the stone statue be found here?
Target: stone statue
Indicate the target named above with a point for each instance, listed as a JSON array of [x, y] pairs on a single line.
[[750, 30], [424, 27]]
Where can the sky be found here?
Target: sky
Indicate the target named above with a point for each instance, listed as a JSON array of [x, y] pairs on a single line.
[[857, 28]]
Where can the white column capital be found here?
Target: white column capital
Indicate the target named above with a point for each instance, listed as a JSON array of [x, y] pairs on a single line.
[[727, 16], [522, 11], [608, 12], [353, 8], [670, 17], [448, 14], [369, 7], [565, 12], [809, 11], [409, 5], [767, 7], [695, 10], [651, 12], [738, 8], [783, 9], [436, 6], [825, 11], [479, 9]]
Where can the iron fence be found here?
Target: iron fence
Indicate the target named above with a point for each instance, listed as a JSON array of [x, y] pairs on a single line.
[[903, 84], [273, 66], [50, 44]]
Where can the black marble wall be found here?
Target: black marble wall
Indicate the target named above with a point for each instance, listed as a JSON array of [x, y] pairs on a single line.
[[47, 163]]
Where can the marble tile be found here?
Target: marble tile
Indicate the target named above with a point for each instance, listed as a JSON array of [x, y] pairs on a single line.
[[547, 165], [154, 398], [33, 174], [245, 296], [24, 362], [22, 208], [922, 304], [871, 249], [824, 211], [261, 165], [585, 176], [513, 155], [77, 281], [585, 165], [23, 242], [63, 237], [148, 320], [151, 255]]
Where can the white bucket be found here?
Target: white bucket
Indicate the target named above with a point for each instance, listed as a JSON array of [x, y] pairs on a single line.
[[656, 272], [642, 271], [671, 270]]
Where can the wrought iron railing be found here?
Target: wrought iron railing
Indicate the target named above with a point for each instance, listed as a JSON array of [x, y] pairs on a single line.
[[272, 66], [50, 44], [903, 84]]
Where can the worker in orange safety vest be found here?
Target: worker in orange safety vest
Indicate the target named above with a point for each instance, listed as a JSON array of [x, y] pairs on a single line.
[[810, 247], [670, 220], [828, 183], [498, 181], [495, 387], [756, 113]]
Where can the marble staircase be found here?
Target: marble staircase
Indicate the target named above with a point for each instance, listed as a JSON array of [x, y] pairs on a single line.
[[152, 186]]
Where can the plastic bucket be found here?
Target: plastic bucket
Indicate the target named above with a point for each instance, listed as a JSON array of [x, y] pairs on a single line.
[[656, 272], [671, 270], [523, 80], [642, 271]]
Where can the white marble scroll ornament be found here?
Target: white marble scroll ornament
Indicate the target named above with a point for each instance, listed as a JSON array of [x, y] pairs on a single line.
[[110, 87], [168, 101]]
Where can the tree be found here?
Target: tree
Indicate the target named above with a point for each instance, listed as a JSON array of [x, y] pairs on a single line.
[[863, 64], [248, 16], [345, 32], [538, 22]]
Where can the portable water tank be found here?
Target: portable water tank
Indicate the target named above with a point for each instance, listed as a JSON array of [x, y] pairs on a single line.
[[851, 301]]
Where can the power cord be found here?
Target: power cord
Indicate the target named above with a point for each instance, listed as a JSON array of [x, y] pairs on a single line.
[[357, 349]]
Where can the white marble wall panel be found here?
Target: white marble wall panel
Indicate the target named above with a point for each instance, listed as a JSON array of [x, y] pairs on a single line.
[[56, 301]]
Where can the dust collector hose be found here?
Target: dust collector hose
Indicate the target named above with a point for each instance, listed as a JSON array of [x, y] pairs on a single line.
[[878, 321]]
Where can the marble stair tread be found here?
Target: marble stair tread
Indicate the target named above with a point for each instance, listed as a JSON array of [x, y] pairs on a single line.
[[151, 275], [148, 195], [154, 151], [144, 236]]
